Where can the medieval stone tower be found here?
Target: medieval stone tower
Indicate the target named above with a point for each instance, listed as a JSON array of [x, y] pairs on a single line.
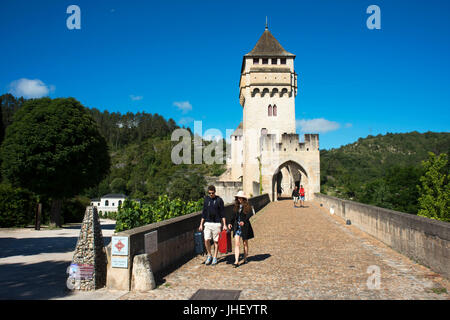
[[266, 154]]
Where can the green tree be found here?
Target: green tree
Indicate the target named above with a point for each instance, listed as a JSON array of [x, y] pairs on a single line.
[[54, 148], [2, 134], [402, 184], [434, 200], [2, 126], [376, 193], [119, 185], [186, 185], [16, 206]]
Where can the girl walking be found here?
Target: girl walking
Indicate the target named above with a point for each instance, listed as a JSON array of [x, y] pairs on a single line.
[[241, 226]]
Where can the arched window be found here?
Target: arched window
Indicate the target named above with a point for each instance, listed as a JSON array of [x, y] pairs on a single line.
[[274, 110], [120, 203], [269, 111], [106, 203]]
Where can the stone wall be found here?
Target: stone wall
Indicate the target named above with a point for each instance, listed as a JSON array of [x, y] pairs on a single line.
[[88, 268], [424, 240], [175, 243]]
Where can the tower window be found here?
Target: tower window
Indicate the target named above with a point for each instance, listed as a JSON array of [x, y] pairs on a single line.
[[282, 60], [255, 60], [274, 110], [265, 61], [269, 111], [274, 61], [235, 138]]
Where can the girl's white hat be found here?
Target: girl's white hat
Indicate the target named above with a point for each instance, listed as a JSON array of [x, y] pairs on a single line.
[[241, 194]]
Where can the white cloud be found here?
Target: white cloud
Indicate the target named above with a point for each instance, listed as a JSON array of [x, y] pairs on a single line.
[[184, 106], [136, 98], [30, 88], [348, 125], [185, 120], [319, 125]]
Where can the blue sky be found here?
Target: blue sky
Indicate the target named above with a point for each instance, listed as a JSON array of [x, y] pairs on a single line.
[[182, 59]]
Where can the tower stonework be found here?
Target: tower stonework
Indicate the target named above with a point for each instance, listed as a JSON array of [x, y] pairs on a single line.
[[266, 151]]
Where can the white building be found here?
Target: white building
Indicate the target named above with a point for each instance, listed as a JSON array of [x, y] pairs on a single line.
[[109, 202]]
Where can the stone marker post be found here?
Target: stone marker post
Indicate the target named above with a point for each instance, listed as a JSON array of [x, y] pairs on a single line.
[[88, 268]]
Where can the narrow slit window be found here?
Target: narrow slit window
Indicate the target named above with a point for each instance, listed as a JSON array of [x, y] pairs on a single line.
[[274, 110], [269, 111]]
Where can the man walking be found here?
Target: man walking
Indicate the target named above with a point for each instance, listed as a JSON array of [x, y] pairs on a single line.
[[213, 217], [295, 195]]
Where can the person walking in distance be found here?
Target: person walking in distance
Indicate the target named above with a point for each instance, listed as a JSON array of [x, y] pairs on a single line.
[[302, 196], [213, 218], [241, 226], [295, 196]]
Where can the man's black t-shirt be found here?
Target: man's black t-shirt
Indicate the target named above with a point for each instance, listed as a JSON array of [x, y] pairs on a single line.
[[213, 209]]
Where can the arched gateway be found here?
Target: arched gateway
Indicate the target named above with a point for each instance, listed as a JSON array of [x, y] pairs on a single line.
[[286, 177], [265, 150]]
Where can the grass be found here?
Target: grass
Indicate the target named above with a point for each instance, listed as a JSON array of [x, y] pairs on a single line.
[[439, 290]]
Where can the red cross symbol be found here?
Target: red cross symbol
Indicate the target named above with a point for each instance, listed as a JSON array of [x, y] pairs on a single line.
[[119, 245]]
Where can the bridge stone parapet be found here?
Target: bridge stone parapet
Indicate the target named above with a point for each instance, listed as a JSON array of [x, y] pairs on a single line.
[[424, 240], [175, 244]]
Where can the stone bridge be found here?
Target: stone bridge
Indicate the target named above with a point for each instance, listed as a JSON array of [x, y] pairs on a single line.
[[310, 253]]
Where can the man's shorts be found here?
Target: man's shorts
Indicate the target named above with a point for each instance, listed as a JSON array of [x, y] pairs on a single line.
[[302, 198], [212, 230]]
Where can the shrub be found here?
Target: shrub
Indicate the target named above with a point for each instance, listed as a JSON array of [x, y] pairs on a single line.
[[73, 209], [111, 215], [133, 214], [434, 200], [16, 207]]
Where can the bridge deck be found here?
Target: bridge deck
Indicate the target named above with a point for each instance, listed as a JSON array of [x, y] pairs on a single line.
[[305, 253]]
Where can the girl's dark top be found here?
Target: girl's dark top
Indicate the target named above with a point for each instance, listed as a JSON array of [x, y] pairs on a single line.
[[295, 193], [246, 229]]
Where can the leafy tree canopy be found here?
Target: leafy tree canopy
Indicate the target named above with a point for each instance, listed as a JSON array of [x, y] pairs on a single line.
[[434, 189], [54, 148]]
